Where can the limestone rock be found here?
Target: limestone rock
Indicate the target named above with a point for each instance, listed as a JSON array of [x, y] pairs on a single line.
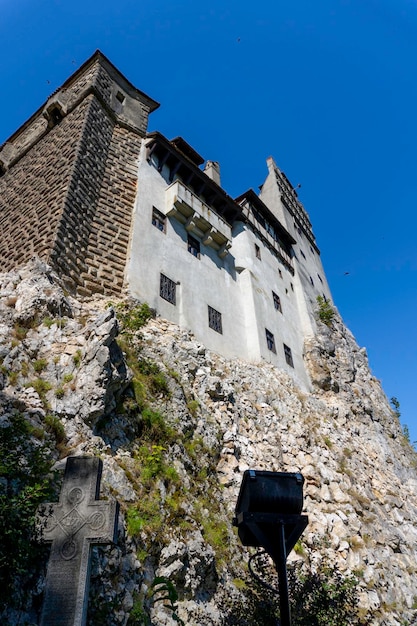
[[62, 358]]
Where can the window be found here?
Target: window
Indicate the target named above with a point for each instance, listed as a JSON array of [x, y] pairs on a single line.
[[302, 254], [277, 302], [215, 320], [257, 251], [280, 273], [193, 246], [320, 278], [167, 289], [270, 341], [311, 281], [288, 356], [158, 220], [292, 287]]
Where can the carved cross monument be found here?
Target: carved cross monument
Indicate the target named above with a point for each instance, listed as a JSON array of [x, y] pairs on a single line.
[[76, 522]]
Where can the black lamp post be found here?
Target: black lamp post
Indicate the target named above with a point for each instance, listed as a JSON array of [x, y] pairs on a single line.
[[268, 515]]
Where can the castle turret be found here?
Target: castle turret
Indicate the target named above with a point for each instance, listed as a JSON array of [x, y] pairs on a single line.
[[68, 178]]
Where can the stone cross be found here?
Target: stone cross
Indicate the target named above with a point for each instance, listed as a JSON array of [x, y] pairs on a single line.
[[72, 525]]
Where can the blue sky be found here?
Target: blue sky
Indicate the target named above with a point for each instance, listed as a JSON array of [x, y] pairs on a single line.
[[328, 88]]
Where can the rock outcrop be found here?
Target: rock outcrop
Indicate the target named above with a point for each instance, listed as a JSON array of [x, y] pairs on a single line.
[[177, 425]]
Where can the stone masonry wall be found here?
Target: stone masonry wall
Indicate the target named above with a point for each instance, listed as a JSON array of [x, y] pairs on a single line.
[[69, 197], [32, 193], [109, 235], [68, 255], [91, 247]]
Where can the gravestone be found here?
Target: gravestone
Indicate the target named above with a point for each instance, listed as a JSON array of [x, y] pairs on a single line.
[[75, 523]]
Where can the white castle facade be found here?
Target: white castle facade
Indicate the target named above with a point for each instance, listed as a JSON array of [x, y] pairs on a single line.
[[243, 275], [114, 208]]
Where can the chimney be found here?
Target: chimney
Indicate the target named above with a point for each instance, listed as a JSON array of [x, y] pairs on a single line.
[[212, 169]]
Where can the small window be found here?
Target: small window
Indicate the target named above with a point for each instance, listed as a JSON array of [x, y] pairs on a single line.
[[270, 341], [158, 220], [280, 273], [311, 281], [302, 254], [288, 356], [167, 289], [277, 302], [215, 320], [193, 246], [320, 278], [257, 251], [292, 287], [56, 116], [311, 249]]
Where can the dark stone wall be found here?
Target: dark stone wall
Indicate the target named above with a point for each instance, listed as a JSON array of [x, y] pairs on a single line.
[[110, 232], [92, 240], [33, 191], [69, 192]]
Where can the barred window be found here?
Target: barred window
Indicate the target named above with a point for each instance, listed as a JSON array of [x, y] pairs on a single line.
[[277, 301], [158, 220], [193, 246], [167, 289], [288, 355], [215, 320], [270, 341]]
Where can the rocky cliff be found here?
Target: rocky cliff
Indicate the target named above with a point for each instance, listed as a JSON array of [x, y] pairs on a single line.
[[176, 425]]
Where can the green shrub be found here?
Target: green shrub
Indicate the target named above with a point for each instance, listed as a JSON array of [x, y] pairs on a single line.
[[147, 367], [48, 321], [24, 368], [323, 598], [155, 427], [20, 332], [24, 466], [299, 548], [145, 515], [193, 406], [55, 427], [41, 386], [325, 311], [77, 358], [39, 365], [132, 318], [163, 590], [13, 377], [151, 376]]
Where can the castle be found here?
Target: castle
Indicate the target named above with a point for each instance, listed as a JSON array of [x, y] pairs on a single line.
[[115, 209]]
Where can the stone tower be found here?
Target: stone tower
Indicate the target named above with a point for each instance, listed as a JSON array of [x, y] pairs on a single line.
[[68, 179]]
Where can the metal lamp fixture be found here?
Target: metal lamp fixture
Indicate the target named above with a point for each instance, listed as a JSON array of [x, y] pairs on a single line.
[[268, 515]]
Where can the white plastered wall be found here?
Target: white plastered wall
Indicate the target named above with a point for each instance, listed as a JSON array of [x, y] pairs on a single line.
[[209, 280]]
